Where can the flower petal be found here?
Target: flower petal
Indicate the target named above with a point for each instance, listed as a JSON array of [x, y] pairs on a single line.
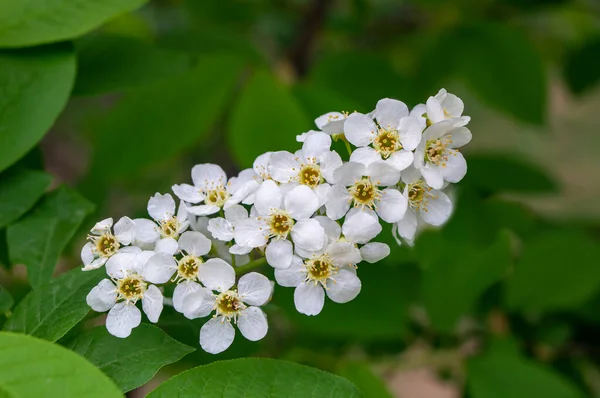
[[161, 207], [359, 129], [308, 235], [122, 318], [252, 323], [268, 197], [292, 276], [349, 173], [344, 287], [329, 162], [301, 202], [410, 132], [360, 226], [87, 255], [279, 253], [235, 214], [146, 233], [332, 228], [365, 155], [374, 252], [284, 166], [383, 174], [460, 136], [194, 243], [438, 209], [216, 335], [255, 288], [103, 296], [338, 203], [407, 227], [120, 263], [309, 298], [203, 210], [331, 122], [251, 232], [216, 274], [315, 144], [182, 291], [456, 168], [208, 176], [388, 113], [343, 254], [125, 230], [152, 303], [159, 268], [400, 160], [167, 246], [188, 193], [392, 205], [198, 304]]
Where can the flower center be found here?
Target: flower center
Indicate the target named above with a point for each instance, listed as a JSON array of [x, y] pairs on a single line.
[[169, 228], [107, 245], [187, 267], [310, 174], [229, 304], [131, 287], [419, 195], [387, 142], [436, 151], [364, 193], [216, 197], [319, 269], [280, 224]]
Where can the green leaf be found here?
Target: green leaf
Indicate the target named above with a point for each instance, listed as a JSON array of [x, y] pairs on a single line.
[[18, 193], [35, 86], [38, 240], [30, 367], [386, 289], [266, 117], [501, 373], [557, 271], [502, 67], [169, 117], [582, 70], [255, 378], [361, 374], [33, 22], [133, 361], [52, 310], [457, 274], [496, 173], [6, 300], [108, 63]]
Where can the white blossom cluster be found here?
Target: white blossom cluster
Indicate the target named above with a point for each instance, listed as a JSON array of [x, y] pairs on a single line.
[[310, 214]]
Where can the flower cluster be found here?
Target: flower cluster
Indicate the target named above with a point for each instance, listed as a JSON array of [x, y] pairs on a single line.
[[311, 215]]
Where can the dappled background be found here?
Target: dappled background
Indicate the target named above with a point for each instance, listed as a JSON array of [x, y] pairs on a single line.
[[504, 301]]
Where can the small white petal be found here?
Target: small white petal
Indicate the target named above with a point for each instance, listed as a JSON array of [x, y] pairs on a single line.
[[122, 318], [103, 296], [152, 303], [338, 203], [102, 226], [194, 243], [365, 155], [344, 287], [120, 263], [198, 304], [460, 137], [251, 232], [407, 227], [252, 323], [359, 129], [392, 205], [188, 193], [433, 176], [383, 174], [239, 251], [315, 144], [331, 122], [349, 173], [284, 166], [456, 168], [167, 246], [343, 254], [410, 132], [182, 291], [308, 235], [208, 176], [161, 207], [146, 232], [216, 335], [220, 229], [360, 226], [292, 276], [301, 202], [374, 252], [159, 268], [216, 274], [279, 253], [203, 210], [268, 197], [332, 228], [261, 165], [322, 191], [309, 298], [87, 255], [255, 288], [329, 162], [438, 209], [125, 230], [235, 214], [97, 263], [401, 160], [435, 112]]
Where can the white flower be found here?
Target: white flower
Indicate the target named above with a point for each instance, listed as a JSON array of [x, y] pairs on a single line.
[[223, 229], [393, 136], [425, 205], [235, 254], [359, 186], [331, 272], [239, 305], [436, 156], [119, 294], [446, 106], [103, 243], [332, 122], [281, 215], [166, 227]]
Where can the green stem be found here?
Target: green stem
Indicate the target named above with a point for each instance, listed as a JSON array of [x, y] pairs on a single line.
[[250, 266], [348, 148]]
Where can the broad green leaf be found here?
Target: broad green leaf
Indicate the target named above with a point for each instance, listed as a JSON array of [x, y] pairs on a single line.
[[266, 117], [35, 86], [582, 69], [31, 367], [133, 361], [52, 310], [18, 193], [255, 378], [557, 271], [386, 293], [364, 78], [498, 173], [169, 117], [456, 275], [38, 240], [501, 373], [108, 63], [33, 22], [502, 67], [6, 300], [363, 377]]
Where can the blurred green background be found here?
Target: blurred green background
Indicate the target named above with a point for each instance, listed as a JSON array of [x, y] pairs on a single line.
[[504, 301]]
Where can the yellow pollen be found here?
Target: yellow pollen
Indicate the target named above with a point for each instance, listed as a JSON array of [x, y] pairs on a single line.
[[106, 245], [419, 196], [319, 269], [169, 228], [131, 287], [310, 175], [187, 267], [229, 304], [280, 224], [387, 142], [216, 197], [364, 193]]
